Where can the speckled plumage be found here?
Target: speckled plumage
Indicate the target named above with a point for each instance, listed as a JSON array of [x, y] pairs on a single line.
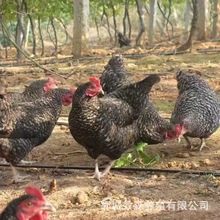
[[31, 92], [9, 213], [107, 125], [197, 105], [136, 94], [114, 76], [27, 125], [152, 126]]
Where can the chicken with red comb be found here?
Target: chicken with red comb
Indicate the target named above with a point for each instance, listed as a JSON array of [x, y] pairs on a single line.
[[109, 125], [28, 125], [31, 206], [34, 91]]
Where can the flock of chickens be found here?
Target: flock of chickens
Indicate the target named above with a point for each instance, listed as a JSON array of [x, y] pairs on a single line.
[[109, 115]]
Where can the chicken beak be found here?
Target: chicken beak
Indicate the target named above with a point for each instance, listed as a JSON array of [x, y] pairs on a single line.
[[48, 207], [102, 92]]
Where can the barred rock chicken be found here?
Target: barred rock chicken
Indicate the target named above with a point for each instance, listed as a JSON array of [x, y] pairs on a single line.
[[114, 76], [31, 206], [154, 127], [123, 40], [107, 125], [26, 125], [196, 113], [34, 91]]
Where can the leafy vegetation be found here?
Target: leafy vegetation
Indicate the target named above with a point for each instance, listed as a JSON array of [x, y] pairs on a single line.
[[137, 158]]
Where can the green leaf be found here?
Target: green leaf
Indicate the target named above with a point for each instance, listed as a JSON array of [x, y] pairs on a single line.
[[140, 146], [124, 160]]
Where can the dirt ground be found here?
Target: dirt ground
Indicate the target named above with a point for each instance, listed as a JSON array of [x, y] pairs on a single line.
[[123, 195]]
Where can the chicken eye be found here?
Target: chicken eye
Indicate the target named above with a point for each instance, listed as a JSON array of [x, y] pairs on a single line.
[[28, 204], [92, 87]]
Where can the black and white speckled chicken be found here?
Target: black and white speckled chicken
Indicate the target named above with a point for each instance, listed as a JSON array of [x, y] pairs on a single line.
[[115, 82], [197, 112], [33, 91], [114, 76], [153, 128], [27, 125], [30, 206], [108, 125], [123, 40]]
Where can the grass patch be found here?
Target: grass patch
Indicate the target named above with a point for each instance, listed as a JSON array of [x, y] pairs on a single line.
[[164, 105], [150, 60]]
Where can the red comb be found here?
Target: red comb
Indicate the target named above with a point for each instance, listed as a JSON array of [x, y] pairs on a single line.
[[95, 80], [34, 191]]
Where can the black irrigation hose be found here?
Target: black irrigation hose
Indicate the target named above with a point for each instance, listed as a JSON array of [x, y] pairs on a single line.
[[195, 172]]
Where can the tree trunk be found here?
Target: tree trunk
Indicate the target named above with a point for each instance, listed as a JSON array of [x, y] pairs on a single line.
[[97, 28], [215, 19], [104, 14], [114, 20], [55, 36], [141, 30], [152, 19], [27, 34], [64, 27], [31, 22], [187, 16], [129, 22], [168, 18], [193, 29], [5, 40], [163, 20], [20, 36], [201, 27], [126, 16], [81, 27], [33, 35], [41, 36], [160, 26]]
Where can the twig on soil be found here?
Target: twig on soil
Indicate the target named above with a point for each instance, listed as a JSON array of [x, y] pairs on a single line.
[[68, 153]]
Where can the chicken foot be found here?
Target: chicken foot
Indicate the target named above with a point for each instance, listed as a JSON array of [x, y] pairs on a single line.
[[201, 145], [98, 175], [17, 178]]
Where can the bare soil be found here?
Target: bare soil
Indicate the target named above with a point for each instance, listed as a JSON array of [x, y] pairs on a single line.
[[123, 195]]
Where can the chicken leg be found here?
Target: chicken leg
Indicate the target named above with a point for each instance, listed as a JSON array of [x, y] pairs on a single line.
[[16, 177], [189, 145], [98, 175], [202, 144]]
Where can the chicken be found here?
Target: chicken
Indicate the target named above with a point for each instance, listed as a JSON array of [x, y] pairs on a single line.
[[114, 76], [27, 125], [197, 112], [34, 91], [114, 80], [123, 40], [31, 206], [153, 128], [107, 125]]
